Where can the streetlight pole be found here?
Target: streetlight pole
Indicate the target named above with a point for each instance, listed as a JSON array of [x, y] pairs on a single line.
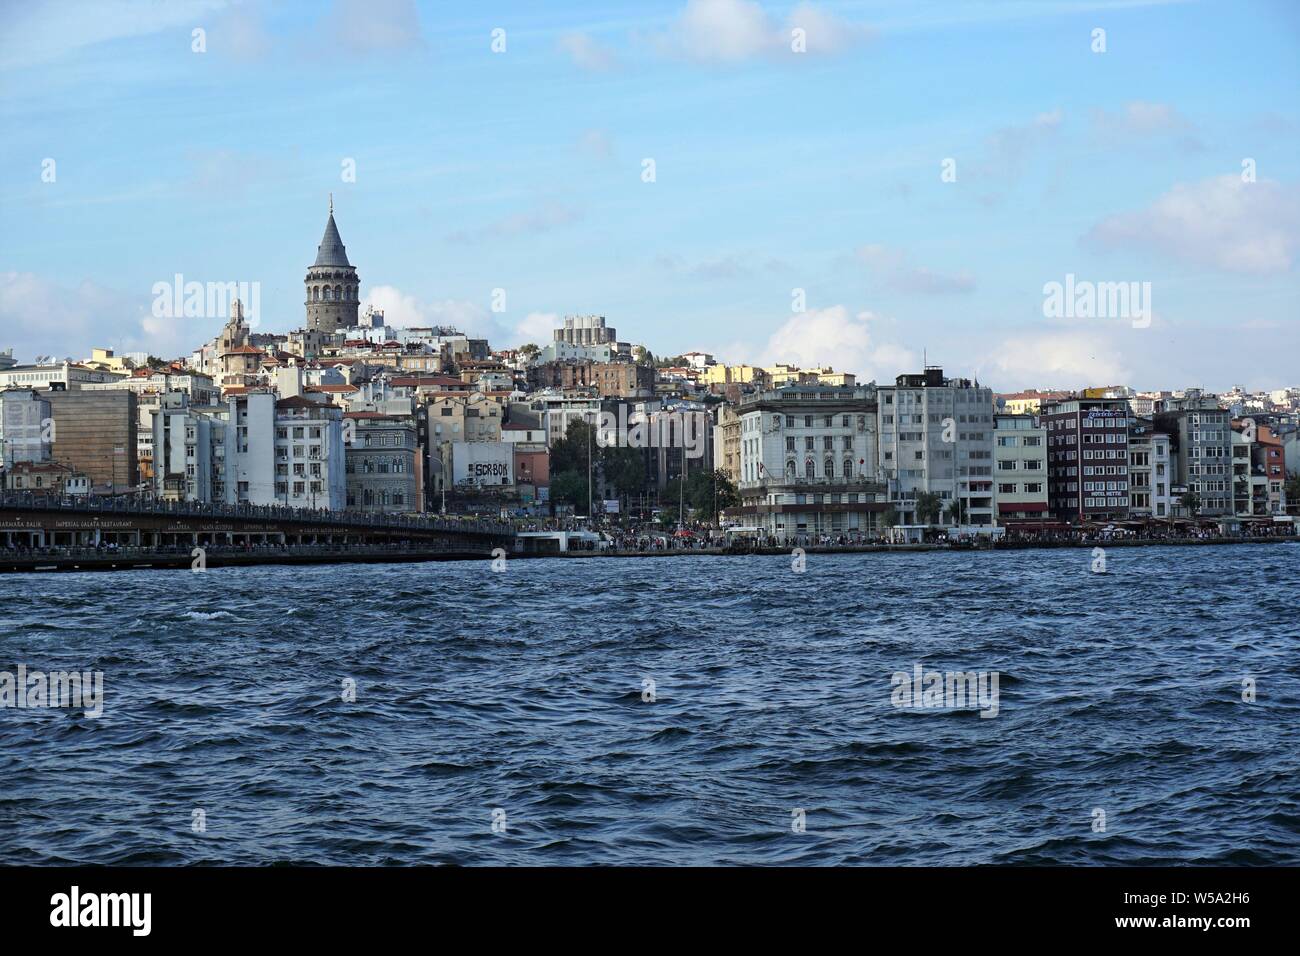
[[681, 496]]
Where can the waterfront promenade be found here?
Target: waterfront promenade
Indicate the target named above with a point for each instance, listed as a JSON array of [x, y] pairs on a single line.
[[17, 560]]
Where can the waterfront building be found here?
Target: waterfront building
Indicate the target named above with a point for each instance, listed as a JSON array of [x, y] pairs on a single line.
[[480, 464], [726, 440], [525, 431], [383, 464], [310, 456], [936, 436], [1201, 445], [250, 453], [45, 477], [1020, 470], [95, 434], [1258, 470], [1088, 458], [332, 284], [807, 462], [149, 386], [1270, 456], [1150, 483], [188, 449], [24, 437], [452, 418]]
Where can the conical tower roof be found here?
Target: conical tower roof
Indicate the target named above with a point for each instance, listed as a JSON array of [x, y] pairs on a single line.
[[331, 251]]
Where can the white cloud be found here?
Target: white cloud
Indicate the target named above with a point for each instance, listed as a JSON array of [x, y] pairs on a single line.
[[52, 319], [900, 275], [826, 34], [1220, 222], [732, 31], [833, 337], [587, 53], [538, 328], [1070, 359], [403, 311]]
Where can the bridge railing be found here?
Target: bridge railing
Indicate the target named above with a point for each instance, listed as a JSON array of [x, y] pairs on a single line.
[[127, 504]]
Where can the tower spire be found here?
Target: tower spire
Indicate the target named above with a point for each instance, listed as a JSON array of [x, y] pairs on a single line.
[[331, 204]]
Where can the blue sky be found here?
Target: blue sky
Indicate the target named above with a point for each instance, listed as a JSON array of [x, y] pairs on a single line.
[[774, 171]]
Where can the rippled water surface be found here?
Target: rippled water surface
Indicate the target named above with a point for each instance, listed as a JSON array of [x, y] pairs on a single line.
[[524, 691]]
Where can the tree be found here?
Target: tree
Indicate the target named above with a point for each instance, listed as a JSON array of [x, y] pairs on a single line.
[[571, 452], [569, 488], [957, 511], [529, 352], [624, 468], [708, 492], [889, 517], [699, 494], [1191, 501], [1292, 491], [927, 507]]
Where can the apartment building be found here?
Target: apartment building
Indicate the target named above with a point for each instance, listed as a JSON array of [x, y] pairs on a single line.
[[936, 436], [382, 463], [25, 432], [1201, 447], [1150, 475], [807, 462], [149, 386], [189, 450], [1088, 458], [68, 376], [1020, 470], [726, 440]]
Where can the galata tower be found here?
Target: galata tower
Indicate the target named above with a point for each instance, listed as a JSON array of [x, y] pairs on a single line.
[[332, 285]]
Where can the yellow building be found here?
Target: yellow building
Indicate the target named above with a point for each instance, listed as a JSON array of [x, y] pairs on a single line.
[[794, 375], [1029, 402], [726, 438], [734, 375]]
